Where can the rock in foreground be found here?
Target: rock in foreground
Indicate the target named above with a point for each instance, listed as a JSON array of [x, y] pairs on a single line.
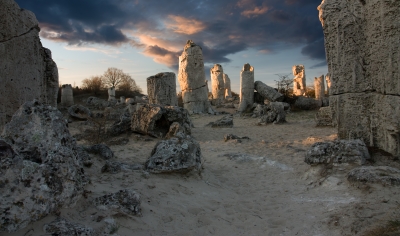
[[384, 175]]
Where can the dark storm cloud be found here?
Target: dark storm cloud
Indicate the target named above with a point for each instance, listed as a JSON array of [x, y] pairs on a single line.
[[224, 27]]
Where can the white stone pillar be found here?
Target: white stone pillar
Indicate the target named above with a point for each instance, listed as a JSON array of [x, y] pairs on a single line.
[[246, 87], [328, 83], [227, 84], [217, 83], [161, 89], [111, 94], [319, 86], [299, 81], [67, 95]]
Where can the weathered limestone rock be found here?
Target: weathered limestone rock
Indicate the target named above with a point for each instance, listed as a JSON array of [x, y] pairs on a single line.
[[67, 95], [328, 83], [246, 87], [268, 92], [96, 102], [177, 154], [324, 117], [122, 125], [304, 103], [40, 167], [27, 69], [363, 56], [319, 86], [122, 100], [79, 112], [224, 122], [338, 152], [111, 94], [192, 79], [227, 84], [217, 82], [155, 120], [161, 89], [125, 201], [114, 167], [384, 175], [299, 81], [102, 150], [274, 112], [62, 227]]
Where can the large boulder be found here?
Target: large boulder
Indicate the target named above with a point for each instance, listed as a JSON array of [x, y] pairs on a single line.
[[338, 152], [27, 69], [79, 112], [362, 50], [40, 168], [384, 175], [178, 154], [155, 120], [268, 92], [273, 112]]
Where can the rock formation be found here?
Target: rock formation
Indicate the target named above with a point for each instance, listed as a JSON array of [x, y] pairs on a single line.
[[246, 92], [299, 81], [67, 95], [192, 79], [268, 92], [111, 94], [227, 84], [217, 83], [161, 89], [79, 112], [41, 170], [27, 69], [328, 83], [324, 117], [319, 86], [155, 120], [274, 112], [363, 56]]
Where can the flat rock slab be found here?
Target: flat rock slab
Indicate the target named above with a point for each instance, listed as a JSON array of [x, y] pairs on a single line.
[[384, 175], [61, 227], [224, 122], [125, 201], [338, 152]]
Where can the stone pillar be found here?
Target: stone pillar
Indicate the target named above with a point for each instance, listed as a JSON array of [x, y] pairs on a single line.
[[192, 78], [111, 94], [67, 95], [246, 87], [319, 86], [217, 83], [161, 89], [328, 83], [268, 92], [299, 81], [227, 84]]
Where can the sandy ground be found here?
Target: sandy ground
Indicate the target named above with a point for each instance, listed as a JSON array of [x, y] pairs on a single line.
[[261, 186]]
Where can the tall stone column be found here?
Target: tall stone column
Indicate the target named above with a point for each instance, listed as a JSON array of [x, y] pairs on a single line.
[[328, 83], [67, 95], [192, 79], [111, 94], [217, 82], [227, 84], [161, 89], [319, 86], [246, 87], [299, 81]]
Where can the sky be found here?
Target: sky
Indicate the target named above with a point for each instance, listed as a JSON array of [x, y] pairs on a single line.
[[146, 37]]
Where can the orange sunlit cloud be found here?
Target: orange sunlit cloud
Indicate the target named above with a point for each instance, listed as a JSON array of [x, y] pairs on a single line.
[[254, 12], [184, 25]]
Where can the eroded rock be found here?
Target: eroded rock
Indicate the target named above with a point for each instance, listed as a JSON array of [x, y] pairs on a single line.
[[67, 95], [384, 175], [62, 227], [217, 82], [324, 117], [246, 92], [268, 92], [124, 201], [161, 89], [299, 80], [224, 122], [79, 112]]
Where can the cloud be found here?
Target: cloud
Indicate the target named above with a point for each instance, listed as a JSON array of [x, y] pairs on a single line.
[[162, 55], [183, 25], [255, 11]]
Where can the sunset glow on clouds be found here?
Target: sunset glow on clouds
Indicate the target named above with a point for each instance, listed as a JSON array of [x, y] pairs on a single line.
[[182, 25]]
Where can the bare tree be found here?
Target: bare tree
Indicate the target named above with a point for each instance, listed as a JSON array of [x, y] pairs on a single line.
[[128, 84], [93, 84], [112, 77], [284, 83]]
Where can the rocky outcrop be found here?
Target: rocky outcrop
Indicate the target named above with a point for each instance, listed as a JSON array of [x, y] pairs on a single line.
[[161, 89], [274, 112], [338, 152], [27, 69], [192, 79], [40, 168], [178, 154], [384, 175], [217, 83], [268, 92], [299, 80], [155, 120], [363, 56]]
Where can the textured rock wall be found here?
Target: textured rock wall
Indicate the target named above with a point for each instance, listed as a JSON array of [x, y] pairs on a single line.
[[161, 89], [27, 69], [363, 54]]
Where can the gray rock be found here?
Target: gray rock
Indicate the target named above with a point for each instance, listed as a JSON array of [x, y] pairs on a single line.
[[125, 201], [228, 137], [62, 227], [384, 175], [177, 154], [40, 166], [115, 167], [338, 152], [101, 149], [27, 69], [224, 122], [324, 117], [268, 92], [155, 120], [97, 102], [304, 103], [273, 112], [121, 126], [79, 112]]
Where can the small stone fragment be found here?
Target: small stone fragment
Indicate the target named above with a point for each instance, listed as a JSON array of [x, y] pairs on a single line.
[[125, 201], [61, 227]]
